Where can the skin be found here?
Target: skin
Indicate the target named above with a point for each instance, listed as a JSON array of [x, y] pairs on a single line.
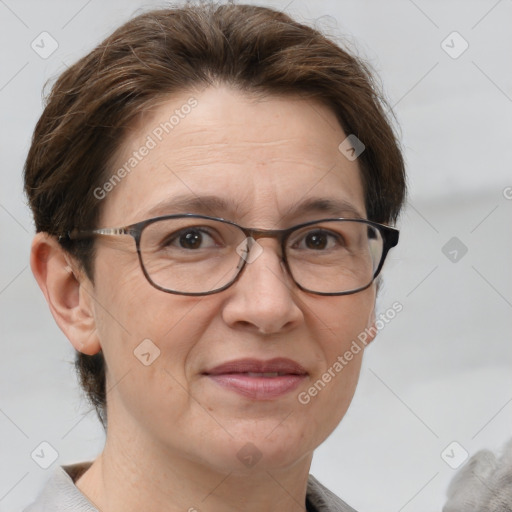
[[173, 435]]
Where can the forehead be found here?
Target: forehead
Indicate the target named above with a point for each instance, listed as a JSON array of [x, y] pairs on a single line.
[[235, 155]]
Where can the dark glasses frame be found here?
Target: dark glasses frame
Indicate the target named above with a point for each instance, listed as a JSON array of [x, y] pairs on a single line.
[[389, 235]]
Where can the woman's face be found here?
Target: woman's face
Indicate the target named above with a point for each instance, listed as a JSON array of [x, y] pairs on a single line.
[[261, 159]]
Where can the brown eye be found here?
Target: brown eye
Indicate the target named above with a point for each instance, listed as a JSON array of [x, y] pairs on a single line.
[[319, 240], [316, 241], [190, 240]]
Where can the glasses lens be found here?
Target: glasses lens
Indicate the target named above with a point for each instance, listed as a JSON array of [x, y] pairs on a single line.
[[191, 255], [335, 256]]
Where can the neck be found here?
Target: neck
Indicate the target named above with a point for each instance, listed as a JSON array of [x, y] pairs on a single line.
[[133, 475]]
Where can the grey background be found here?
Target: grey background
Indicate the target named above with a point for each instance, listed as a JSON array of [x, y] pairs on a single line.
[[438, 373]]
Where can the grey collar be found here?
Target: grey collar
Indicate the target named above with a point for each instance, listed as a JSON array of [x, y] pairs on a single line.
[[60, 494]]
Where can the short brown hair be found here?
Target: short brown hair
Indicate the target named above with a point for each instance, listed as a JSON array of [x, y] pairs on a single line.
[[254, 49]]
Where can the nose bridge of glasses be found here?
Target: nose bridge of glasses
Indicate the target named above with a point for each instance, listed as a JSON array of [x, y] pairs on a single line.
[[265, 233], [274, 259], [253, 236]]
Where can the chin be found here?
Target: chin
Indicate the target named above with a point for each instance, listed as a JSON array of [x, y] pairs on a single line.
[[267, 447]]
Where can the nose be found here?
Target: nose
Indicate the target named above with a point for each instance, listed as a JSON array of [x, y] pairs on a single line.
[[264, 299]]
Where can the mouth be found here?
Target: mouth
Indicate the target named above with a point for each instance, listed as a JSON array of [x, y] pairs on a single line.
[[257, 379]]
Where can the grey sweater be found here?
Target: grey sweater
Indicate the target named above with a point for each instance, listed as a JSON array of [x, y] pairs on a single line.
[[61, 495], [483, 484]]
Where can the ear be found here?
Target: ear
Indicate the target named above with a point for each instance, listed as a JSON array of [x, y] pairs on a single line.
[[67, 290]]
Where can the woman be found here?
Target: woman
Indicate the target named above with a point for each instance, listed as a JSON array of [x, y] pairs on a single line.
[[211, 188]]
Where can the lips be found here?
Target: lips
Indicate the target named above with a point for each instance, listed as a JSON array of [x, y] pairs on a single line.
[[258, 380], [278, 365]]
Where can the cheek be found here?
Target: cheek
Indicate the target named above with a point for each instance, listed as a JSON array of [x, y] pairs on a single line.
[[340, 320], [134, 318], [338, 323], [120, 290], [123, 317]]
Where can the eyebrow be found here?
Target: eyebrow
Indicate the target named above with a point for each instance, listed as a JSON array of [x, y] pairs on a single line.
[[219, 207], [335, 207]]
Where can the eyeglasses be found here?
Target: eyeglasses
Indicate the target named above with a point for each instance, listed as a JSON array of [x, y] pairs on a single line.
[[189, 254]]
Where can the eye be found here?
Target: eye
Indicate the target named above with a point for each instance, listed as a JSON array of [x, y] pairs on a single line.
[[190, 239], [318, 240]]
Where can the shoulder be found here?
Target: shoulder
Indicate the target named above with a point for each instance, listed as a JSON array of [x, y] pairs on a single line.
[[60, 493], [321, 499], [484, 483]]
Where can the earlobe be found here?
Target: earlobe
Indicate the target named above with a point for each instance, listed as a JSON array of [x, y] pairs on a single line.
[[67, 291]]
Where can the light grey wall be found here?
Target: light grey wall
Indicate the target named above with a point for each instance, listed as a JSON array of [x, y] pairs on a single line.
[[439, 372]]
